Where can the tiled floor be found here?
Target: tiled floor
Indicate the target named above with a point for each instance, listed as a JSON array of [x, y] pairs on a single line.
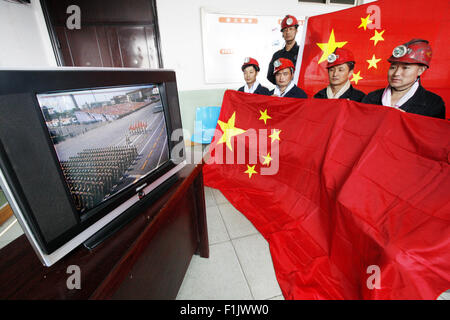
[[239, 266]]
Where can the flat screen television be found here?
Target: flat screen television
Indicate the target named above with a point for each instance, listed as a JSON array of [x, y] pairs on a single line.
[[82, 148]]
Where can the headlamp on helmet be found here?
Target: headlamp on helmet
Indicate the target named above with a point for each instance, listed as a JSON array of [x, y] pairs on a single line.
[[289, 21], [340, 56], [332, 58], [414, 51], [283, 63], [400, 51]]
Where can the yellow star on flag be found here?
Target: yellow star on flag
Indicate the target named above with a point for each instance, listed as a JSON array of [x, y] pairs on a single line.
[[365, 22], [373, 62], [251, 170], [264, 116], [329, 47], [267, 159], [229, 130], [378, 36], [356, 77], [275, 135]]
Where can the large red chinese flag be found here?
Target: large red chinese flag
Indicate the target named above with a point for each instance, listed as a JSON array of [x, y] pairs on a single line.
[[371, 32], [354, 200]]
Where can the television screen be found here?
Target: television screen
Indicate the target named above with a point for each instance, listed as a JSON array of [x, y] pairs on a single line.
[[105, 139], [83, 150]]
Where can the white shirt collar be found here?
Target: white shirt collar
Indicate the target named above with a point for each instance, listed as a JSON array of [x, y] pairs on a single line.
[[277, 90], [253, 87], [387, 94], [331, 95]]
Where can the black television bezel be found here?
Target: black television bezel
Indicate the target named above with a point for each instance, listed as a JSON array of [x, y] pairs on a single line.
[[93, 215], [34, 82]]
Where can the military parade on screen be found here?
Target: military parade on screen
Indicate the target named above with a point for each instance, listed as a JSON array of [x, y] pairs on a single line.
[[93, 174], [105, 144]]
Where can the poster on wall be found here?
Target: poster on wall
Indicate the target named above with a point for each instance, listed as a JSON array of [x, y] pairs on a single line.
[[229, 38]]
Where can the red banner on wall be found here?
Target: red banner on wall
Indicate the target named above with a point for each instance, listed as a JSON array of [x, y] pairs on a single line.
[[352, 199], [371, 32]]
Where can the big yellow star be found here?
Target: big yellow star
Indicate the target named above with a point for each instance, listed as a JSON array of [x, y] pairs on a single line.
[[329, 47], [275, 135], [365, 22], [356, 77], [251, 170], [378, 36], [373, 62], [267, 159], [229, 130], [264, 116]]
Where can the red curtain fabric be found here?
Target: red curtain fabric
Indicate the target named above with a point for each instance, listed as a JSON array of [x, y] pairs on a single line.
[[355, 202], [371, 32]]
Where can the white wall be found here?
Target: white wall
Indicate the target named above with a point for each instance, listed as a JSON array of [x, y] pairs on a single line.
[[24, 37], [25, 41], [181, 33]]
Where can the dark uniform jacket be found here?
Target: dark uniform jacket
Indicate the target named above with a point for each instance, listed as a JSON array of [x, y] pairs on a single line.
[[351, 94], [423, 102], [295, 92], [259, 90], [291, 55]]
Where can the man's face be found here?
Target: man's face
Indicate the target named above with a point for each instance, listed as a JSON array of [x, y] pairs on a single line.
[[283, 77], [338, 75], [402, 75], [289, 33], [250, 75]]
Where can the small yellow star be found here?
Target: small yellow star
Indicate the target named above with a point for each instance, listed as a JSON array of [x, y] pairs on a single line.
[[275, 135], [378, 36], [251, 170], [267, 159], [373, 62], [356, 77], [229, 130], [365, 22], [264, 116], [329, 47]]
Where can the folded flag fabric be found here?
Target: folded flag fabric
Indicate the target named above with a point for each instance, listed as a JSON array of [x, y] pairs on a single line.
[[353, 199]]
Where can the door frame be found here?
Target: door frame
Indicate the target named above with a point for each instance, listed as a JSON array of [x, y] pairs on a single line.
[[57, 46]]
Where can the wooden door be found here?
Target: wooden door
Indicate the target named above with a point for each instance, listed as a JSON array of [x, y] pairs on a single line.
[[113, 33]]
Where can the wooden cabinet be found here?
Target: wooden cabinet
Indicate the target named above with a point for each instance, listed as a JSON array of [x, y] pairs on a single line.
[[146, 259]]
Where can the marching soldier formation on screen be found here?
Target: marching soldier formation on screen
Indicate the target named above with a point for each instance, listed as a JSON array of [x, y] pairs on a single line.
[[93, 173], [403, 92]]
